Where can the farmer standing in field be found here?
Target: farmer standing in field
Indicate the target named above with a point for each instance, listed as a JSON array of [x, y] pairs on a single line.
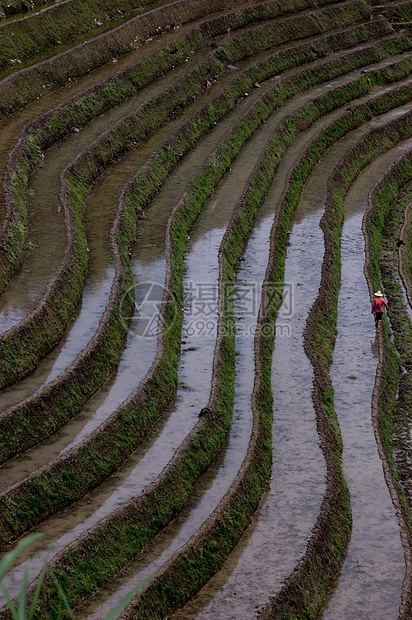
[[378, 307]]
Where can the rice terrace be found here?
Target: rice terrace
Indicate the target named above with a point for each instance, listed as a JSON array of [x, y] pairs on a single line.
[[200, 415]]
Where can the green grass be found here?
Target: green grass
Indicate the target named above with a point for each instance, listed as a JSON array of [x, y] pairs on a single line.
[[200, 192], [22, 609]]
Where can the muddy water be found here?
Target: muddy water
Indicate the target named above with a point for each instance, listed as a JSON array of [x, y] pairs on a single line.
[[11, 127], [297, 485], [27, 287], [236, 587], [97, 287], [148, 266], [252, 270], [375, 562], [249, 279], [201, 267], [250, 276], [245, 307], [42, 256], [100, 212], [44, 266], [246, 579]]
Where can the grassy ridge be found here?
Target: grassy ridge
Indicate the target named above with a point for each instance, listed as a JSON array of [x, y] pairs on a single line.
[[24, 345], [57, 124], [55, 399], [151, 180], [306, 589], [205, 553], [242, 224], [48, 29], [21, 358], [35, 82], [394, 382], [95, 460], [199, 560], [297, 27], [13, 7]]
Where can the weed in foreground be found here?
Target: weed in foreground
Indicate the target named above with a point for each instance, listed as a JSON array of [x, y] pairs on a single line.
[[26, 610]]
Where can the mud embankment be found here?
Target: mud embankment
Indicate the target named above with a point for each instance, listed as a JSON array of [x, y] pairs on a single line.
[[180, 232], [150, 180], [392, 386]]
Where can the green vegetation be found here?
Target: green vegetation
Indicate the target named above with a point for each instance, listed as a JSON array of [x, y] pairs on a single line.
[[314, 23], [307, 588], [24, 347], [399, 12], [388, 203], [21, 357], [102, 455], [26, 611], [152, 176], [23, 87], [50, 29], [93, 561], [334, 523]]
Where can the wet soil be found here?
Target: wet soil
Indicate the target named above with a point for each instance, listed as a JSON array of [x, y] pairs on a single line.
[[375, 562], [189, 380], [42, 259], [290, 509], [198, 347]]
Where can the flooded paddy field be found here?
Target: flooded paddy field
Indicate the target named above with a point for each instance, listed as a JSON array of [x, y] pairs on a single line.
[[203, 175]]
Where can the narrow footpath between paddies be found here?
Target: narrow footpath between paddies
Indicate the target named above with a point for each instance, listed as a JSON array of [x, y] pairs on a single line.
[[255, 247], [277, 532], [193, 391], [42, 260], [371, 579], [148, 265]]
